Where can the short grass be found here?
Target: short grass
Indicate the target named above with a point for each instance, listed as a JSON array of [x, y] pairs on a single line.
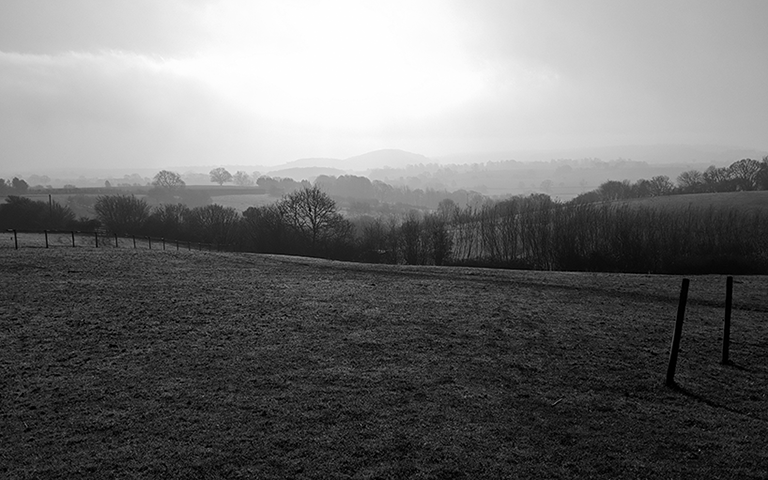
[[743, 201], [63, 239], [125, 363]]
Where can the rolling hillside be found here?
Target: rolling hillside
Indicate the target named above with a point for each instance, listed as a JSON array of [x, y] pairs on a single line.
[[744, 201]]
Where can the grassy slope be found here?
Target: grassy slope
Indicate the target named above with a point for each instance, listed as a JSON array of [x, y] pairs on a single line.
[[744, 201], [147, 363]]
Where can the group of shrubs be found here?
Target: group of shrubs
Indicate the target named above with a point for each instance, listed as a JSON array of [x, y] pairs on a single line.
[[21, 213]]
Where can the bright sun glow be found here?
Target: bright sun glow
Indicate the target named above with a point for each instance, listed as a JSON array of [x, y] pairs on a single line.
[[339, 64]]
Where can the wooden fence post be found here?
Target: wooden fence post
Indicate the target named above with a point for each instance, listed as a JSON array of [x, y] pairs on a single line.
[[163, 240], [15, 240], [115, 240], [73, 239], [149, 240], [727, 323], [46, 238], [96, 236], [678, 333]]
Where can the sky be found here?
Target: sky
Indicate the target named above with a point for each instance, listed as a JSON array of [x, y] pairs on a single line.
[[147, 83]]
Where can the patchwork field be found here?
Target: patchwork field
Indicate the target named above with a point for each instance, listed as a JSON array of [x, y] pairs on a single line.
[[122, 363]]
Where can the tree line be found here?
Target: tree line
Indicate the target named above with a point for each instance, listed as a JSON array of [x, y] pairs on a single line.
[[304, 222], [15, 185], [744, 175], [533, 232], [21, 213]]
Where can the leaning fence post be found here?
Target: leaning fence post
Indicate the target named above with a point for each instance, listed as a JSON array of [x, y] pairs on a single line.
[[46, 238], [115, 240], [96, 236], [73, 239], [15, 240], [727, 323], [163, 239], [678, 333], [149, 240]]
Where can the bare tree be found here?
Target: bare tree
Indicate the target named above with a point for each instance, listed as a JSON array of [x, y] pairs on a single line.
[[213, 223], [411, 241], [447, 210], [660, 185], [763, 176], [168, 220], [690, 181], [642, 188], [266, 230], [488, 217], [508, 228], [746, 173], [313, 215], [168, 180], [438, 239], [615, 190], [220, 175], [242, 179], [715, 178], [373, 241], [122, 213]]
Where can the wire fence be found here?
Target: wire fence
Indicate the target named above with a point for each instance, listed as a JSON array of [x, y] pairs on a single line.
[[17, 239]]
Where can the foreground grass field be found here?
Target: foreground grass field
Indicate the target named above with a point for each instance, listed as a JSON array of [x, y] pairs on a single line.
[[149, 364]]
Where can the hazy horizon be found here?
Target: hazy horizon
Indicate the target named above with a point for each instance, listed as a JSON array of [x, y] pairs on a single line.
[[150, 85]]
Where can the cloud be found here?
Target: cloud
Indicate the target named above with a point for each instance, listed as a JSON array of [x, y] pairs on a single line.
[[191, 82], [116, 108], [619, 71], [341, 64], [168, 27]]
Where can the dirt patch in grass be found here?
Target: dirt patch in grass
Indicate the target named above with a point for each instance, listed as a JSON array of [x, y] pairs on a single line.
[[144, 363]]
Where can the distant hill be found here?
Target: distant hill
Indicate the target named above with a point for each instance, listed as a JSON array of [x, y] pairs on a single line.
[[359, 164], [305, 173], [384, 158], [308, 162]]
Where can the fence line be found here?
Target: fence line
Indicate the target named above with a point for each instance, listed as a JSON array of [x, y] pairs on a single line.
[[100, 239]]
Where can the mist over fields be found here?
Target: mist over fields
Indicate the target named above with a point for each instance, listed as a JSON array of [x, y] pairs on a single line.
[[562, 174]]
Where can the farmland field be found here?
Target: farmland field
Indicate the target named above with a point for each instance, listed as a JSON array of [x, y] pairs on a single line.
[[242, 202], [745, 202], [122, 363]]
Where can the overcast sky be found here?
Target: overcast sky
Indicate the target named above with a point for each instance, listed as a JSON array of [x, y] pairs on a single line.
[[151, 83]]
